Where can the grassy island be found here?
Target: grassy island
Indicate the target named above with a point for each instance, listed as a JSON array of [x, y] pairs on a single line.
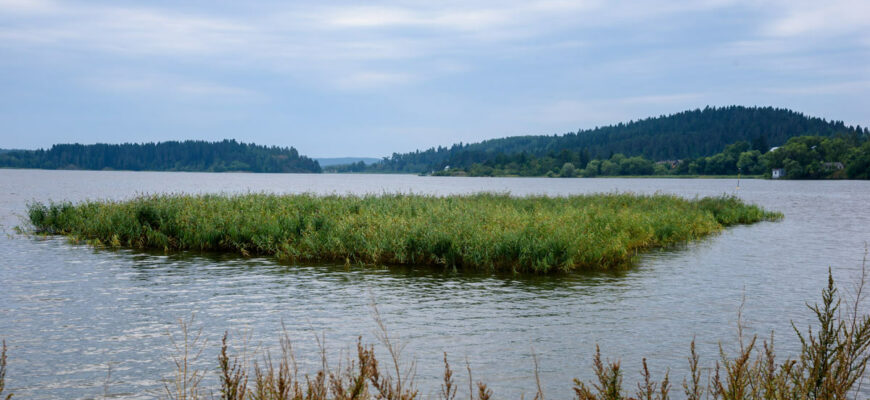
[[480, 231]]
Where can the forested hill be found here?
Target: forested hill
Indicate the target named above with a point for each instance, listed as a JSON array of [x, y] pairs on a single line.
[[688, 134], [227, 155]]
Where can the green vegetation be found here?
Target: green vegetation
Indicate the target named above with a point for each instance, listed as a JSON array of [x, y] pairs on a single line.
[[227, 155], [815, 157], [481, 231], [685, 135], [802, 157], [332, 161]]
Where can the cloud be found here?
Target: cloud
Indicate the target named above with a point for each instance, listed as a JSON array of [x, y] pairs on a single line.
[[167, 85], [27, 6], [305, 34], [661, 99], [127, 31], [837, 88], [466, 17], [399, 43], [369, 79], [605, 111], [820, 18]]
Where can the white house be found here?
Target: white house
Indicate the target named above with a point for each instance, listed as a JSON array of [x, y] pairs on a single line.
[[777, 173]]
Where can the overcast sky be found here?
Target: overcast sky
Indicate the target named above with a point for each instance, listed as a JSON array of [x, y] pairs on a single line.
[[367, 78]]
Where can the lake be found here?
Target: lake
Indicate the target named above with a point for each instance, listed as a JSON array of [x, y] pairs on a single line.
[[69, 312]]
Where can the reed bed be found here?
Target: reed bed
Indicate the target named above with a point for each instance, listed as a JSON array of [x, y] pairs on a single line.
[[484, 231]]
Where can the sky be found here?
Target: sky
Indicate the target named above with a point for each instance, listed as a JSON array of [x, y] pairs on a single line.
[[369, 78]]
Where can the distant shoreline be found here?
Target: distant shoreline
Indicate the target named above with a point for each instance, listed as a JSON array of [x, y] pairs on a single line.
[[742, 177]]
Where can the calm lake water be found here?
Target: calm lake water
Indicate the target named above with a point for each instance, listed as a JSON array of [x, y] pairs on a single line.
[[68, 311]]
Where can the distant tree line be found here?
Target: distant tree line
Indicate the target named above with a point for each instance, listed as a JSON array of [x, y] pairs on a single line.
[[358, 166], [815, 157], [227, 155], [685, 135], [802, 157]]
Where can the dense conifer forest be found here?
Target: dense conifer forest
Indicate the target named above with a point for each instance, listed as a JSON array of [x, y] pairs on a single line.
[[685, 135], [227, 155], [802, 157]]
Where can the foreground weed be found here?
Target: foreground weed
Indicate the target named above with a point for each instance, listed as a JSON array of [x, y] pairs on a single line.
[[831, 365], [187, 346], [3, 370]]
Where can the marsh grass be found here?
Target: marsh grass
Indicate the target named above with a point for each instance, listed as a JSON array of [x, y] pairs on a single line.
[[486, 232]]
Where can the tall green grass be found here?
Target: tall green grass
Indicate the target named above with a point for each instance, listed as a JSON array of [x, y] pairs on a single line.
[[480, 231]]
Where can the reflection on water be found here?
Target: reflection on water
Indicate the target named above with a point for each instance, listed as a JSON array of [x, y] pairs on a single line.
[[68, 311]]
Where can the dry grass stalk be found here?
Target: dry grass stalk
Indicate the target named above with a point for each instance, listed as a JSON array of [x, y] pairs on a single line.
[[3, 370], [403, 388], [609, 385], [483, 393], [651, 390], [539, 394], [107, 381], [448, 388], [186, 351], [234, 379], [693, 388]]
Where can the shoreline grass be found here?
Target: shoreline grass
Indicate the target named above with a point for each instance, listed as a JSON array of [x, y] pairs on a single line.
[[488, 232]]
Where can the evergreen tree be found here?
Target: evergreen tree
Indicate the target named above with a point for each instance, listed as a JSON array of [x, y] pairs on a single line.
[[227, 155]]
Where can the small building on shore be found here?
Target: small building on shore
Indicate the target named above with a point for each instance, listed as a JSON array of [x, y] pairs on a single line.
[[669, 163], [777, 173], [832, 166]]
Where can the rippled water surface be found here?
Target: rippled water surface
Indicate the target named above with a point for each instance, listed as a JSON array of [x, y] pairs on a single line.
[[70, 313]]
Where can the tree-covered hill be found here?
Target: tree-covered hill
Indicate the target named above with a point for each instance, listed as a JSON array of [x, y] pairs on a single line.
[[684, 135], [227, 155]]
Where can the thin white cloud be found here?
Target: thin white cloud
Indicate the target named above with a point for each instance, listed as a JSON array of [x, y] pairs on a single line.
[[174, 86], [837, 88], [369, 79], [590, 112], [468, 16], [661, 99], [27, 6], [820, 18], [800, 26]]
